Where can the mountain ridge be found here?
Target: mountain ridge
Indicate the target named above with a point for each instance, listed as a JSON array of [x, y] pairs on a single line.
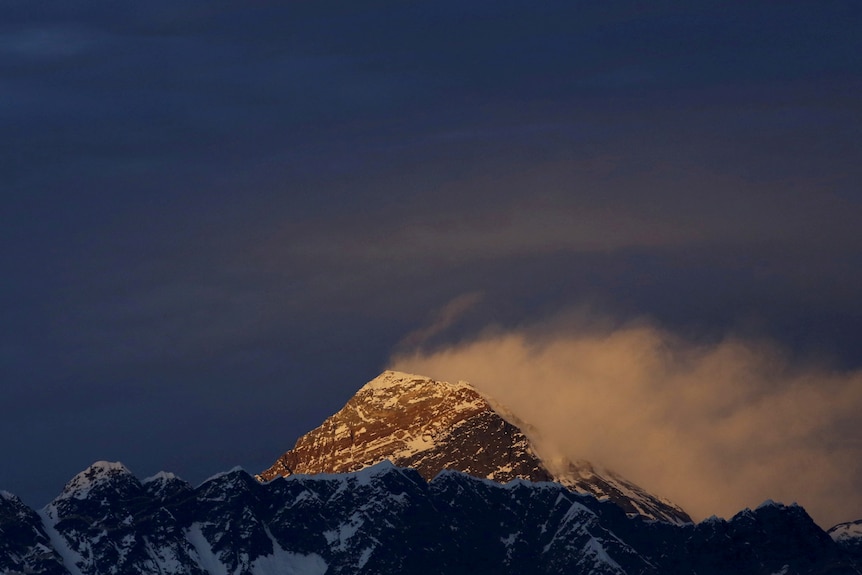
[[386, 520], [430, 425]]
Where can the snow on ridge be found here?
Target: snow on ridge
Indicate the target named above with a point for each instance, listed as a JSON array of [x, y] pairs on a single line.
[[363, 476], [600, 555], [391, 378], [71, 558], [207, 559], [107, 466], [79, 487], [508, 486], [223, 473], [846, 531], [283, 562], [160, 476], [444, 473]]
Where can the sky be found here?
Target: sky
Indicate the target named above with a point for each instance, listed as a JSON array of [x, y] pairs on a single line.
[[220, 219]]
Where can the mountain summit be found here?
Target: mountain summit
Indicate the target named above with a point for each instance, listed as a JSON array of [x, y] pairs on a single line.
[[429, 425]]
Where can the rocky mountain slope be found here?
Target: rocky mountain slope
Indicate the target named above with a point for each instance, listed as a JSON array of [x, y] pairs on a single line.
[[429, 425], [385, 520]]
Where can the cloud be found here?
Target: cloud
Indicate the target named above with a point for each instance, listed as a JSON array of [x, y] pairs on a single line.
[[715, 427], [578, 202], [443, 319]]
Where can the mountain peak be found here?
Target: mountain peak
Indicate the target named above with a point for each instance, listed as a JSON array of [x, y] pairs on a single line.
[[160, 477], [106, 468], [399, 382], [428, 425], [390, 378], [99, 473]]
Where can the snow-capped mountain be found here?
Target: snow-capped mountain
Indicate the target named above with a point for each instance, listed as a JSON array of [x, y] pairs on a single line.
[[385, 520], [429, 425]]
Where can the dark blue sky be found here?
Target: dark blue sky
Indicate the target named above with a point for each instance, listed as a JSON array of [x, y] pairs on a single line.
[[220, 218]]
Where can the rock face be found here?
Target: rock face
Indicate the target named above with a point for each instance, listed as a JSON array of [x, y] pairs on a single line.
[[385, 520], [414, 421]]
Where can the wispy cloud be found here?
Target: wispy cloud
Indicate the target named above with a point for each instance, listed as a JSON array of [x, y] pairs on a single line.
[[584, 204], [442, 319]]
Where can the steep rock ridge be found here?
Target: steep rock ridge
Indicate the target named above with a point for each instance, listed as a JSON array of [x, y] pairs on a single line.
[[24, 545], [385, 520], [429, 425]]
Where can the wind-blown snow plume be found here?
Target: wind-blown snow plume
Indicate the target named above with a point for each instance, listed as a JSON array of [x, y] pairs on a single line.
[[716, 427]]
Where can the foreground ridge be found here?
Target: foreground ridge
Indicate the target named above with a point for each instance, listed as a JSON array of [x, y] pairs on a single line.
[[415, 421], [386, 520]]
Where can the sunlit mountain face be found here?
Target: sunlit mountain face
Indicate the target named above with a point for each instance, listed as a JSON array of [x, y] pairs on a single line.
[[415, 421]]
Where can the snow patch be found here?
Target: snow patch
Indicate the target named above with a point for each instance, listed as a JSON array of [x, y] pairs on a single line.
[[8, 496], [208, 560], [597, 551], [339, 538], [283, 562], [71, 559], [576, 511], [363, 559], [166, 559], [362, 477]]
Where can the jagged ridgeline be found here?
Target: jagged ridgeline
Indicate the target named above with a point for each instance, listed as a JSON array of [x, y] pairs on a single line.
[[386, 520], [429, 425]]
